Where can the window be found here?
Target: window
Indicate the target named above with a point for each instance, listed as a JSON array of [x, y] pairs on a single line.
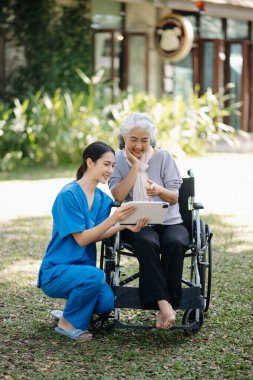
[[210, 27], [208, 66], [103, 43], [106, 14], [107, 57], [137, 62], [236, 62], [123, 59], [237, 29], [183, 77]]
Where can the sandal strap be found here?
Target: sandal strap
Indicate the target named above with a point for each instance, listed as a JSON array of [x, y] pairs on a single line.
[[77, 332]]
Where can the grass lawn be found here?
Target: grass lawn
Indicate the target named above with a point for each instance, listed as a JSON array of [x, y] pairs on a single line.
[[30, 349], [39, 172]]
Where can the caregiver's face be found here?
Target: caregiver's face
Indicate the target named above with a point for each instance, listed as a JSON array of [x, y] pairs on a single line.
[[137, 141]]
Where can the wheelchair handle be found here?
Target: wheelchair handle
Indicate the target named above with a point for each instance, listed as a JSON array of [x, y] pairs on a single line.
[[190, 173]]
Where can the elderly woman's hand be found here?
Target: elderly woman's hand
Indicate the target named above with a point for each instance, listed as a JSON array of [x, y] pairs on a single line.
[[153, 189], [132, 159]]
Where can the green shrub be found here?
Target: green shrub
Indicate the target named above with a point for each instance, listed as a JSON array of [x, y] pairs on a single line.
[[184, 127], [54, 130]]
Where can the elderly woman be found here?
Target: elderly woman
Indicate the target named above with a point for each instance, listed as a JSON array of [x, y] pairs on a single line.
[[145, 173]]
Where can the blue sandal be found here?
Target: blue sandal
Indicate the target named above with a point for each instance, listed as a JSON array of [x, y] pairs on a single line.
[[75, 334]]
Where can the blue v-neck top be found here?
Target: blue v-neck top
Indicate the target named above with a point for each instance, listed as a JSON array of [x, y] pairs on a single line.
[[71, 214]]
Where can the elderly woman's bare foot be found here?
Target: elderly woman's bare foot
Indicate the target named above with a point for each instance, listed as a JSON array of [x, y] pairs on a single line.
[[166, 316]]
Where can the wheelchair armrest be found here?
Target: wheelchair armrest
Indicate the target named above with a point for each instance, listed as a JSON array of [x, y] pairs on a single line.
[[116, 204], [197, 206]]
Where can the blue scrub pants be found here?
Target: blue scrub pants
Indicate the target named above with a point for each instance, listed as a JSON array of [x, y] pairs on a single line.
[[86, 292]]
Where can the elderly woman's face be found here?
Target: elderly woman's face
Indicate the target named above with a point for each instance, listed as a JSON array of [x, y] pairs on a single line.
[[137, 141]]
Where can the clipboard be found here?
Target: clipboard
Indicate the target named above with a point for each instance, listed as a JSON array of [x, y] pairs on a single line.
[[154, 211]]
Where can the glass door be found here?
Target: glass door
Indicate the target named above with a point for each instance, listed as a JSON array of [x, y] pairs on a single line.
[[107, 48], [183, 77], [103, 54], [235, 71], [211, 59], [137, 66], [124, 59], [221, 62]]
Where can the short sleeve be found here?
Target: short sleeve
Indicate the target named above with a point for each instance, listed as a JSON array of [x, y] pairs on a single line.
[[115, 179], [67, 214], [171, 175], [120, 171]]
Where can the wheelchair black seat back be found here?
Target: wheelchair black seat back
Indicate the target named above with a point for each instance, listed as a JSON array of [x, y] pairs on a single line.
[[196, 289], [200, 236]]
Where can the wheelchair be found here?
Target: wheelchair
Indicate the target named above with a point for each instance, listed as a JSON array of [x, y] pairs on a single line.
[[196, 287]]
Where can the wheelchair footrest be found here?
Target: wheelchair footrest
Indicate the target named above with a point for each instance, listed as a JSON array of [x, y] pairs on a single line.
[[121, 325], [127, 297]]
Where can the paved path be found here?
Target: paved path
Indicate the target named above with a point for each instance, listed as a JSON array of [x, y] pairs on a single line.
[[224, 184]]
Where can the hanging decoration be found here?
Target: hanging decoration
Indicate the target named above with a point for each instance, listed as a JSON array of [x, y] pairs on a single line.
[[173, 37]]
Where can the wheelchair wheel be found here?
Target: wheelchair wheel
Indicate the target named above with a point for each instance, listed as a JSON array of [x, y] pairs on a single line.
[[205, 265], [109, 266], [189, 318], [208, 272], [101, 323]]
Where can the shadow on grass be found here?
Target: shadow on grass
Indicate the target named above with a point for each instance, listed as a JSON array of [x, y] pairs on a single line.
[[27, 238]]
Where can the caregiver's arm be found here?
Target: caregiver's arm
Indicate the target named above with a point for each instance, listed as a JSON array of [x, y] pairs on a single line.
[[94, 234]]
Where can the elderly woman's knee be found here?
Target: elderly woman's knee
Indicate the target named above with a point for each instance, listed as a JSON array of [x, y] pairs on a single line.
[[147, 245]]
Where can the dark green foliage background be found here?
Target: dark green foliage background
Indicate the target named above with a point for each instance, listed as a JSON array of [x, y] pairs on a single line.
[[56, 40]]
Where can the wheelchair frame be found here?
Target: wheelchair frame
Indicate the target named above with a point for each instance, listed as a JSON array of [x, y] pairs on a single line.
[[196, 295]]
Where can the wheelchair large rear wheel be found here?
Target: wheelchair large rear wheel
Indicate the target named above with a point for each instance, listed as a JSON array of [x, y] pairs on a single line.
[[205, 265]]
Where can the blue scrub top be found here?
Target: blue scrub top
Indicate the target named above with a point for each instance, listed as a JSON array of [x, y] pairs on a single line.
[[71, 214]]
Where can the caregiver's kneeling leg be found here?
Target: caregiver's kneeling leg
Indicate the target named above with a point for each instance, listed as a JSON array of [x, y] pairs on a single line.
[[86, 291]]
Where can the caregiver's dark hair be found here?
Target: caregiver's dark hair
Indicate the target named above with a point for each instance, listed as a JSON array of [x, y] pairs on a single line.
[[94, 151]]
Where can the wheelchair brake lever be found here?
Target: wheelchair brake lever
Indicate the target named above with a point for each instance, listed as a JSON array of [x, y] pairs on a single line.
[[210, 237], [197, 206]]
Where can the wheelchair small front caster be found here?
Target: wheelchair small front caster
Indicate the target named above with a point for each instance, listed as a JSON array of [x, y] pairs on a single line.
[[101, 323], [189, 319]]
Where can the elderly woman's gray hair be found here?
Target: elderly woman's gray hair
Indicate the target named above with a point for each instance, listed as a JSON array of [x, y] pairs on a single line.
[[137, 120]]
